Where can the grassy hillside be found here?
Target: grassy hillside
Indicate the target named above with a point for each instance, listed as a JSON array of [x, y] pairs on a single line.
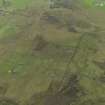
[[52, 53]]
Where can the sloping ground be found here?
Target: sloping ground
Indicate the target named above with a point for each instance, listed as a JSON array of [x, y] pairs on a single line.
[[52, 56]]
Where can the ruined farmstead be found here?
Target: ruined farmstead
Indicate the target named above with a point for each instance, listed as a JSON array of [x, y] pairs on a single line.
[[68, 4], [99, 3]]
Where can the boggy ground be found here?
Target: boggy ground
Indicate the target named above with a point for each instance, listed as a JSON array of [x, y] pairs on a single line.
[[52, 55]]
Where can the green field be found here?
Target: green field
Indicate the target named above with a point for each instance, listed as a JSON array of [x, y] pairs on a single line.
[[52, 53]]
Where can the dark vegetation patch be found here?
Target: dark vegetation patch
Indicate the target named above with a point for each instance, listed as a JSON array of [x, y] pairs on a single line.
[[67, 21], [101, 79], [72, 28], [7, 101], [3, 88], [72, 87], [2, 13], [55, 95], [77, 25], [71, 24], [39, 43], [50, 18], [97, 101], [50, 49], [101, 100], [101, 65], [83, 24], [88, 102]]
